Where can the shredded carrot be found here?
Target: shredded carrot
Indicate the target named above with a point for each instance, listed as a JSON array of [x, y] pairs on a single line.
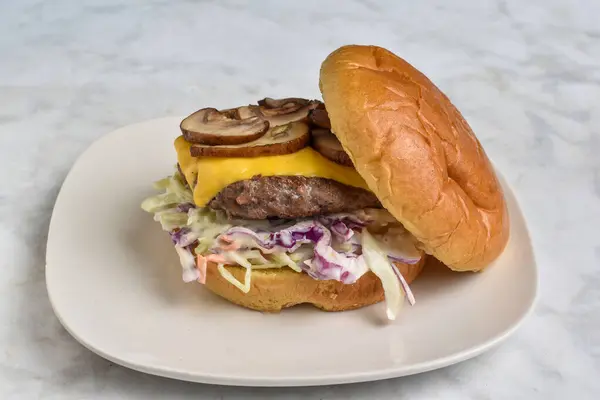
[[201, 262], [229, 244], [226, 239]]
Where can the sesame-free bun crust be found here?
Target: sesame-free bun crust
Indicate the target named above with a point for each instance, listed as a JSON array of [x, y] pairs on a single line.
[[274, 289], [417, 154]]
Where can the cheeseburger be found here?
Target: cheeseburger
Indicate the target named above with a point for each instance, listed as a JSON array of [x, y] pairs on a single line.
[[335, 203]]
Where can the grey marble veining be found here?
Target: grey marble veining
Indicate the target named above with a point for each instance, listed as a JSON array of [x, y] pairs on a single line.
[[525, 74]]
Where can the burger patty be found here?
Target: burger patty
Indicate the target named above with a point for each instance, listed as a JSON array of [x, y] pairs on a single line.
[[290, 197]]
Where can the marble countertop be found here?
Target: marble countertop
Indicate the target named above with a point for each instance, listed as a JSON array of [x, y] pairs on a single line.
[[525, 74]]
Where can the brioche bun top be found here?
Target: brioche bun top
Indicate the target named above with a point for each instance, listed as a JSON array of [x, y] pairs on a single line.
[[417, 154]]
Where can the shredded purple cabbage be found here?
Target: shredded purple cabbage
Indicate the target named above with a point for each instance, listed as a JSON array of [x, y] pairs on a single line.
[[402, 259], [341, 230], [405, 287], [188, 264], [326, 263], [286, 240], [183, 237], [349, 220]]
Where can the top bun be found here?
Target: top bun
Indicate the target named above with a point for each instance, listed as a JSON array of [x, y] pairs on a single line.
[[417, 154]]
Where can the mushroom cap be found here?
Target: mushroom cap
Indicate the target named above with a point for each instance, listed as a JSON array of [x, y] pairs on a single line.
[[213, 127]]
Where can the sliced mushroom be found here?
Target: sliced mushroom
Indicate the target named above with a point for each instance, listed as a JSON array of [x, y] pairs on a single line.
[[213, 127], [283, 111], [275, 116], [245, 112], [278, 140], [330, 147], [289, 102], [319, 117]]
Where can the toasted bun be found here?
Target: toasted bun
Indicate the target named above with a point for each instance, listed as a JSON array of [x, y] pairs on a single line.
[[274, 289], [417, 154]]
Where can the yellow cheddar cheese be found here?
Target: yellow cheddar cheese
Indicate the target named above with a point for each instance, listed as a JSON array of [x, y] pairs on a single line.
[[215, 173]]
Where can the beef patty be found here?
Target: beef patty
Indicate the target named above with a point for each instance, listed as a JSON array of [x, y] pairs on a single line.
[[290, 197]]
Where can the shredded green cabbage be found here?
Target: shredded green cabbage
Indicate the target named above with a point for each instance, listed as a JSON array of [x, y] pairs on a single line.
[[208, 225], [378, 262], [244, 287], [175, 193]]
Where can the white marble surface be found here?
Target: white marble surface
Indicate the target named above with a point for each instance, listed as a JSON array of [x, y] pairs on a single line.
[[525, 74]]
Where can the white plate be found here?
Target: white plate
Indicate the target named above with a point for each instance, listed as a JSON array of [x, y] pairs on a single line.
[[115, 284]]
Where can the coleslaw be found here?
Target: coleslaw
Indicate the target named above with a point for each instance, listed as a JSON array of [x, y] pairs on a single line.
[[341, 247]]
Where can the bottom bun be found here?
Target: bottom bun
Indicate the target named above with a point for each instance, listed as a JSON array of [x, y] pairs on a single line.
[[274, 289]]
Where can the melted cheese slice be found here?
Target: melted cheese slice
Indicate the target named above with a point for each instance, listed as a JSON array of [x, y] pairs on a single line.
[[215, 173]]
